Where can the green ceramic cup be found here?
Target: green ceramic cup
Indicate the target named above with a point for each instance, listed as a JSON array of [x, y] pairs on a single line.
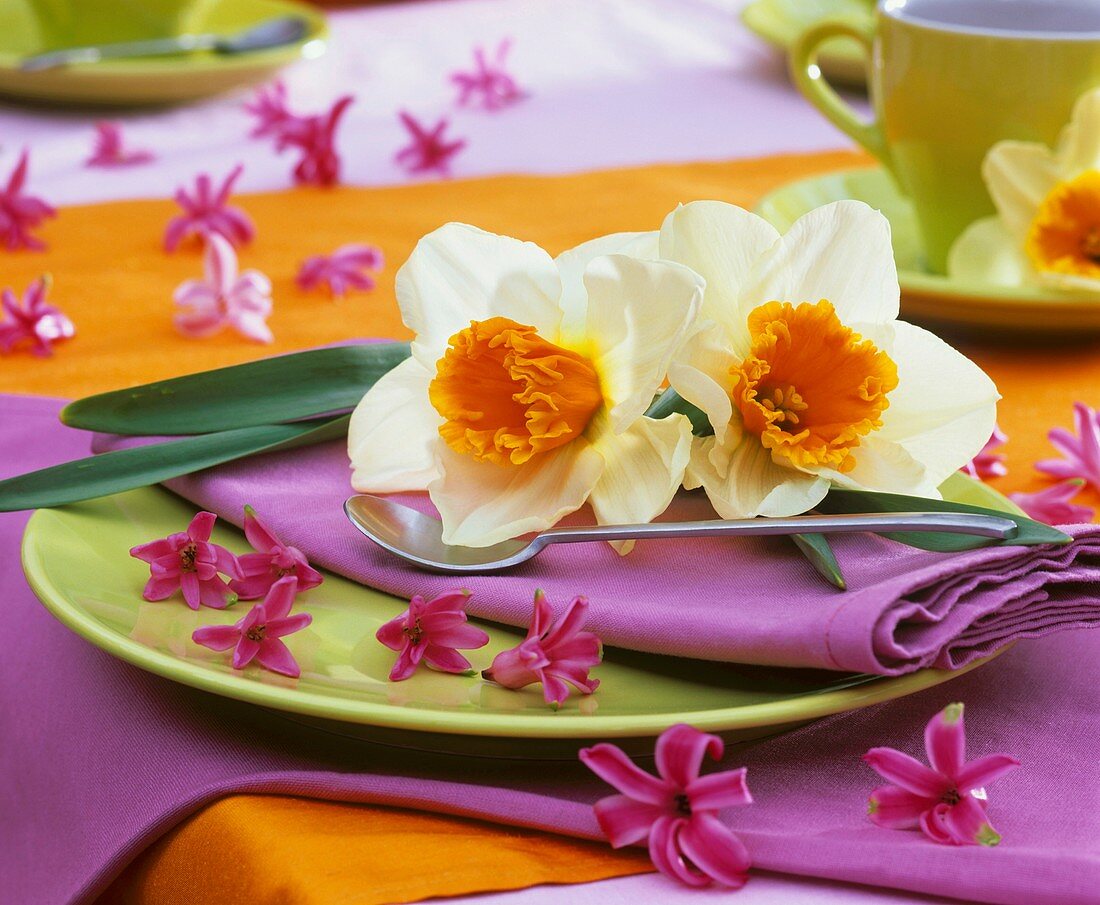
[[950, 78], [74, 23]]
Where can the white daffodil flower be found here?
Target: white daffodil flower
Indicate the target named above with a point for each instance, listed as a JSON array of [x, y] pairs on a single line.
[[529, 376], [803, 369], [1047, 228]]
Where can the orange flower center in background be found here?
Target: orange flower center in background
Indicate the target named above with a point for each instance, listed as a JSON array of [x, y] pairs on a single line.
[[810, 387], [507, 394], [1065, 235]]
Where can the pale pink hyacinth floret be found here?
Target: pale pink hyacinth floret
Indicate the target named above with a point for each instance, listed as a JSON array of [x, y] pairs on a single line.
[[1054, 505], [224, 298], [313, 135], [258, 636], [433, 631], [428, 151], [207, 212], [20, 213], [1080, 451], [108, 149], [272, 561], [35, 322], [988, 463], [557, 654], [187, 561], [489, 85], [346, 268], [676, 812], [946, 800]]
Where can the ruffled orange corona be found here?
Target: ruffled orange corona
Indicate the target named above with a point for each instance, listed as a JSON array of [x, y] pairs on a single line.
[[1065, 234]]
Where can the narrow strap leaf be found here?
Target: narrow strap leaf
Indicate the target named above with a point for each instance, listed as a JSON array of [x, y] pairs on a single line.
[[270, 391], [816, 549], [139, 466]]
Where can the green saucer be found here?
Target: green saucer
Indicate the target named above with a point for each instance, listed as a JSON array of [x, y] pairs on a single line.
[[76, 561], [927, 297], [154, 80]]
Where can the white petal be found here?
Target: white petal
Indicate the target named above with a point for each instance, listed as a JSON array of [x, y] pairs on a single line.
[[393, 433], [571, 266], [639, 313], [700, 372], [742, 481], [987, 252], [482, 503], [459, 273], [1079, 143], [886, 467], [720, 242], [944, 407], [1019, 175], [840, 252]]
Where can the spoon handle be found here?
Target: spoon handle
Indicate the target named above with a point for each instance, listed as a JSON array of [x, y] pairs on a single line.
[[153, 47], [874, 522]]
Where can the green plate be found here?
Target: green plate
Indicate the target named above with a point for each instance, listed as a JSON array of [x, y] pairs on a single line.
[[154, 80], [779, 22], [940, 300], [76, 561]]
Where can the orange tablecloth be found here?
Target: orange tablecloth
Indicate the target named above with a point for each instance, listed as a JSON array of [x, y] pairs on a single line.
[[115, 282]]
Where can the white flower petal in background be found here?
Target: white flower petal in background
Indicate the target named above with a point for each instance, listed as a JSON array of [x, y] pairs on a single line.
[[987, 252], [1019, 175], [1079, 143]]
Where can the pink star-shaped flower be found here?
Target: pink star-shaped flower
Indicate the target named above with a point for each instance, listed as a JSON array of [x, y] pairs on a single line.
[[1053, 504], [207, 212], [342, 270], [224, 298], [1081, 451], [489, 85], [553, 653], [258, 636], [677, 811], [428, 150], [35, 322], [19, 212], [432, 631], [273, 561], [987, 463], [189, 562], [314, 135], [947, 800], [108, 149]]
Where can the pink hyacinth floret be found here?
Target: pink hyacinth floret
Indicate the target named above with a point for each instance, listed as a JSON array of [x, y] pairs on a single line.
[[258, 636], [224, 298], [20, 213], [557, 654], [428, 150], [433, 631], [1080, 450], [344, 269], [207, 212], [272, 561], [988, 463], [1054, 505], [187, 561], [314, 136], [489, 85], [34, 323], [676, 813], [108, 149], [946, 800]]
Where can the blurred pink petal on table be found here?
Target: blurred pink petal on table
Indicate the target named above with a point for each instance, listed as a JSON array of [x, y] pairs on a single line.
[[342, 270], [189, 562], [224, 298], [19, 212], [433, 631], [946, 800], [489, 85], [1053, 504], [676, 812], [428, 150], [273, 561], [987, 463], [108, 149], [258, 635], [207, 212], [1080, 451], [34, 321]]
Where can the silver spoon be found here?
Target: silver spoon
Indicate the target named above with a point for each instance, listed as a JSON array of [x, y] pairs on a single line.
[[272, 33], [418, 538]]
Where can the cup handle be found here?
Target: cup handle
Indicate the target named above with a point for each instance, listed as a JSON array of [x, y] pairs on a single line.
[[809, 80]]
